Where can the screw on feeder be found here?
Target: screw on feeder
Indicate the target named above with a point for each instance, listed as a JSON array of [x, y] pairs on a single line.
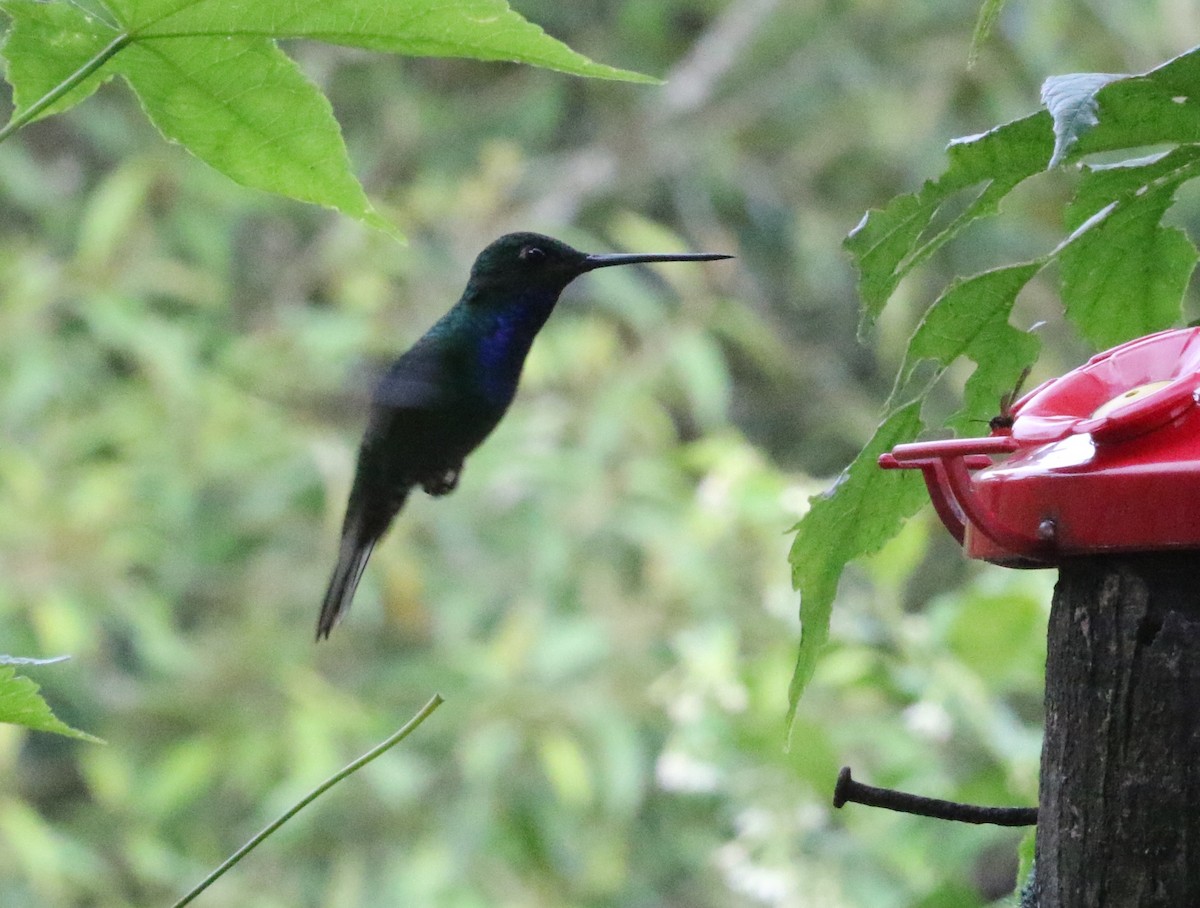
[[849, 791], [1047, 529]]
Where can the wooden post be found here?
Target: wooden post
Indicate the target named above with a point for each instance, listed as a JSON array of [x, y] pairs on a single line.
[[1119, 812]]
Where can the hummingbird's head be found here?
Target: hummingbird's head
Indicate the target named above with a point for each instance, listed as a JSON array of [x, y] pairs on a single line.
[[519, 261], [531, 261]]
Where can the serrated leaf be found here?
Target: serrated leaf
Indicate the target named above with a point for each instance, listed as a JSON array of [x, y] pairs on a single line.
[[1087, 112], [1102, 184], [20, 704], [888, 243], [863, 510], [971, 319], [883, 240], [1156, 107], [1008, 153], [1071, 101], [1123, 273], [211, 77]]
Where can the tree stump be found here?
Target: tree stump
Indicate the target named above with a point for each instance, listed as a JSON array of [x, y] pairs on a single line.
[[1119, 812]]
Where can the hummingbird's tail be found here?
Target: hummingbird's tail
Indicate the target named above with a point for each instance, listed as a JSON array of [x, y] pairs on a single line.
[[359, 536], [352, 561]]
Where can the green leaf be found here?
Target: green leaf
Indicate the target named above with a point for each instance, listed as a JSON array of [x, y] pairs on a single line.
[[477, 29], [45, 44], [890, 243], [1160, 106], [864, 509], [210, 76], [1071, 100], [196, 95], [971, 319], [1096, 112], [1104, 183], [1123, 273], [20, 704]]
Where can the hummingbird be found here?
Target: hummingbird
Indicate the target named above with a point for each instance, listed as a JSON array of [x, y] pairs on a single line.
[[446, 394]]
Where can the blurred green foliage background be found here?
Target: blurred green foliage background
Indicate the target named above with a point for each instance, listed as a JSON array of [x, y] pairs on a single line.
[[605, 600]]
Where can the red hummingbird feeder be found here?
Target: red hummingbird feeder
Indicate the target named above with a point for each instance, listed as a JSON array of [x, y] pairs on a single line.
[[1104, 459]]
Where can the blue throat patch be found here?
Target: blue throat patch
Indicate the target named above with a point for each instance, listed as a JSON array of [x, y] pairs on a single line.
[[505, 341]]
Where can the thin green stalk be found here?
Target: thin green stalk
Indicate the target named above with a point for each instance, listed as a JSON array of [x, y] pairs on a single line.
[[34, 110], [347, 770]]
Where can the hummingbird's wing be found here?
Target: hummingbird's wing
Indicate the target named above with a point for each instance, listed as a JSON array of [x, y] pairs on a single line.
[[418, 380], [404, 441], [396, 393]]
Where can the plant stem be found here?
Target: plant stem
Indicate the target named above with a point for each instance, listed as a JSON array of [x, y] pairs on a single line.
[[34, 110], [347, 770]]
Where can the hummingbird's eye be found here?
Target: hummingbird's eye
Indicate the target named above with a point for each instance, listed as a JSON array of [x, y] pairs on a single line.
[[532, 254]]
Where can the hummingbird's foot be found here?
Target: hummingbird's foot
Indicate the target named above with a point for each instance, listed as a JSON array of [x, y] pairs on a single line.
[[444, 484]]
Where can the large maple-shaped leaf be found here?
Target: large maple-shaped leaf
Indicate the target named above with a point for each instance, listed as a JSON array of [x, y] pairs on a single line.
[[210, 76]]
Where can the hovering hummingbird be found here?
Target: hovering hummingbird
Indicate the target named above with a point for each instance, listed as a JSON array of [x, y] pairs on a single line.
[[444, 396]]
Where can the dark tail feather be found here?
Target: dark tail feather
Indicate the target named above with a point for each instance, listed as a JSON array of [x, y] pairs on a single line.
[[352, 561], [367, 519]]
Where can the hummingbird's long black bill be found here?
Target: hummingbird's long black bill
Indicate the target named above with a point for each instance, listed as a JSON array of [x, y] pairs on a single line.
[[592, 262]]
